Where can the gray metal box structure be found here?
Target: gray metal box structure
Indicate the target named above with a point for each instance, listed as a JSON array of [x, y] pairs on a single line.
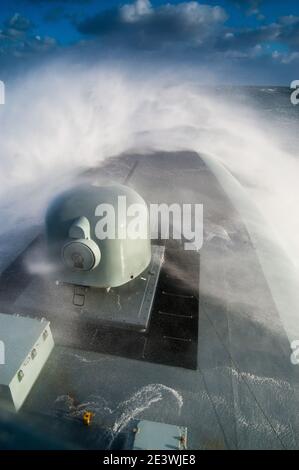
[[151, 435], [26, 346]]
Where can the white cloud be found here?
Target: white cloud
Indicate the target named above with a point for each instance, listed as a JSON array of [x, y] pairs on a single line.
[[133, 12]]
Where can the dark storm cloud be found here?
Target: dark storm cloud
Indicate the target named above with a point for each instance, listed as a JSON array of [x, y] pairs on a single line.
[[17, 40], [285, 31], [189, 30], [251, 7], [289, 30], [140, 23], [18, 22], [16, 26], [289, 20], [102, 23], [188, 24], [248, 38]]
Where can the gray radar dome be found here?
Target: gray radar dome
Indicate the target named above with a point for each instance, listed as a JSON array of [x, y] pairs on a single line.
[[98, 236]]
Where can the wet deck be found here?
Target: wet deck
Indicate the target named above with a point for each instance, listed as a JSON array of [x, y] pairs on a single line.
[[244, 392]]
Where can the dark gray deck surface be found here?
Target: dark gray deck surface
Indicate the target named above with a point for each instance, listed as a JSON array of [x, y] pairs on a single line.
[[244, 394]]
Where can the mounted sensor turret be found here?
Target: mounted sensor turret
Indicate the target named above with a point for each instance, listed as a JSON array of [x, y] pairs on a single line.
[[90, 237]]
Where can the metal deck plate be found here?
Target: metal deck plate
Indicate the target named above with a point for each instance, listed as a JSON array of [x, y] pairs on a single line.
[[128, 306], [153, 318]]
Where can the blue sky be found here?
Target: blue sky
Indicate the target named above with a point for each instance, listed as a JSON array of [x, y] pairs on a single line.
[[260, 37]]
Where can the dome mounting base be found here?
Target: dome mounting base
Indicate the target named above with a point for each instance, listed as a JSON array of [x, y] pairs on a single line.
[[128, 306]]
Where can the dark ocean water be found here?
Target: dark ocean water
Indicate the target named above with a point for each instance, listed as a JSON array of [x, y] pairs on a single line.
[[275, 108]]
